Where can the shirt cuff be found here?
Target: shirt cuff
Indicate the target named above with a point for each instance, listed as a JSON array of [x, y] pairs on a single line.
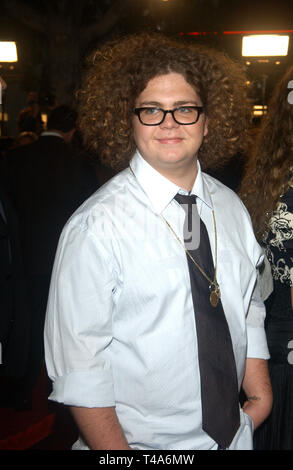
[[86, 388], [257, 346]]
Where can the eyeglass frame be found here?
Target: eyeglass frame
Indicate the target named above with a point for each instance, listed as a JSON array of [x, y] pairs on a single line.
[[200, 110]]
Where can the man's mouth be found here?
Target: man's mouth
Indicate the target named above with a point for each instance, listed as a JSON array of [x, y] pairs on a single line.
[[170, 140]]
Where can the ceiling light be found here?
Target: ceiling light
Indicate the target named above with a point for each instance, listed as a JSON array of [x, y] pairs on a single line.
[[8, 51], [262, 45]]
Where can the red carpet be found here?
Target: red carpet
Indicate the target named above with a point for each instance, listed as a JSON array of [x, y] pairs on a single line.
[[45, 426], [30, 435]]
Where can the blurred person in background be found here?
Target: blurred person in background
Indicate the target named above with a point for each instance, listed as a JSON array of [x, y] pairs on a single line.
[[267, 191], [29, 119], [15, 317], [24, 138], [46, 181]]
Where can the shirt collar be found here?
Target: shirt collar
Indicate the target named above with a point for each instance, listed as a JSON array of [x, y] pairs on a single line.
[[159, 189], [51, 133], [200, 188]]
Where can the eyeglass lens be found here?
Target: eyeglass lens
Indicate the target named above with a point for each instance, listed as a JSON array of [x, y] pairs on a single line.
[[182, 115]]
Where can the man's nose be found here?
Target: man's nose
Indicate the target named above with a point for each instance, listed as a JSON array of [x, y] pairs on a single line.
[[169, 121]]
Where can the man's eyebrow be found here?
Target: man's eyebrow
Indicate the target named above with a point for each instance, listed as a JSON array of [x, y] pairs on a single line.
[[176, 103], [186, 102], [150, 103]]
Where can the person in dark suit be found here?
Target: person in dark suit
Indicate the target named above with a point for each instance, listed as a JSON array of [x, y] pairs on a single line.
[[15, 318], [46, 181]]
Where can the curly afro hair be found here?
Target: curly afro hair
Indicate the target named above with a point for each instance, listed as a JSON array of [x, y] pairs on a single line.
[[119, 71], [269, 170]]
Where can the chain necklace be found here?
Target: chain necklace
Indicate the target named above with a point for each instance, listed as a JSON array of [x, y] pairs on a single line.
[[215, 293]]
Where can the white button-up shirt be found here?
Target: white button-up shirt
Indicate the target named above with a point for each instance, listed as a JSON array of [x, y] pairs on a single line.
[[120, 327]]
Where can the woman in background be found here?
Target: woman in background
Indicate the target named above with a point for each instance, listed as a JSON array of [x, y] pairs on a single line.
[[267, 191]]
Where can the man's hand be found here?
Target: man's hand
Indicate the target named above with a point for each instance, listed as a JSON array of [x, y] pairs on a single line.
[[258, 390]]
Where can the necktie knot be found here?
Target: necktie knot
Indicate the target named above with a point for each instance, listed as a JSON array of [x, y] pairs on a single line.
[[191, 229], [185, 199]]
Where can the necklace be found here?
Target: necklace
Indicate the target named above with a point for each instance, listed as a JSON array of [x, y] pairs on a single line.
[[215, 293]]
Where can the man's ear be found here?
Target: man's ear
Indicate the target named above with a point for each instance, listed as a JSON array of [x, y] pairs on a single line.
[[206, 126]]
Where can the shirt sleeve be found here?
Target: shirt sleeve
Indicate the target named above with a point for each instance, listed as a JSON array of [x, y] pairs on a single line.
[[256, 337], [255, 317], [78, 327]]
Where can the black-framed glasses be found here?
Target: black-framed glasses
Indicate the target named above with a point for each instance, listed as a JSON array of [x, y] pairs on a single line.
[[183, 115]]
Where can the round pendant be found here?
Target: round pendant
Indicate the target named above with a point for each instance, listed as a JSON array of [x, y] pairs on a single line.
[[214, 297]]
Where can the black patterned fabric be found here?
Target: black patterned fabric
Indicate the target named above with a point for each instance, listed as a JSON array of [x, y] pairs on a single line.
[[276, 433], [280, 240]]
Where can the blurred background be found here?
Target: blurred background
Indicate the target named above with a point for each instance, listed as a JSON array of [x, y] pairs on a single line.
[[52, 39]]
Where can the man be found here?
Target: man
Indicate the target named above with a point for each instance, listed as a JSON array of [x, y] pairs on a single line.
[[46, 182], [123, 333], [29, 119], [15, 315]]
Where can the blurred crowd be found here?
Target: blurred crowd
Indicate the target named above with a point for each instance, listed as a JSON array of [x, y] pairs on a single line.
[[45, 174]]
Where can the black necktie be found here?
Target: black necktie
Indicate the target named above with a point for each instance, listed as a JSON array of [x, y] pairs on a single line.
[[219, 385]]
